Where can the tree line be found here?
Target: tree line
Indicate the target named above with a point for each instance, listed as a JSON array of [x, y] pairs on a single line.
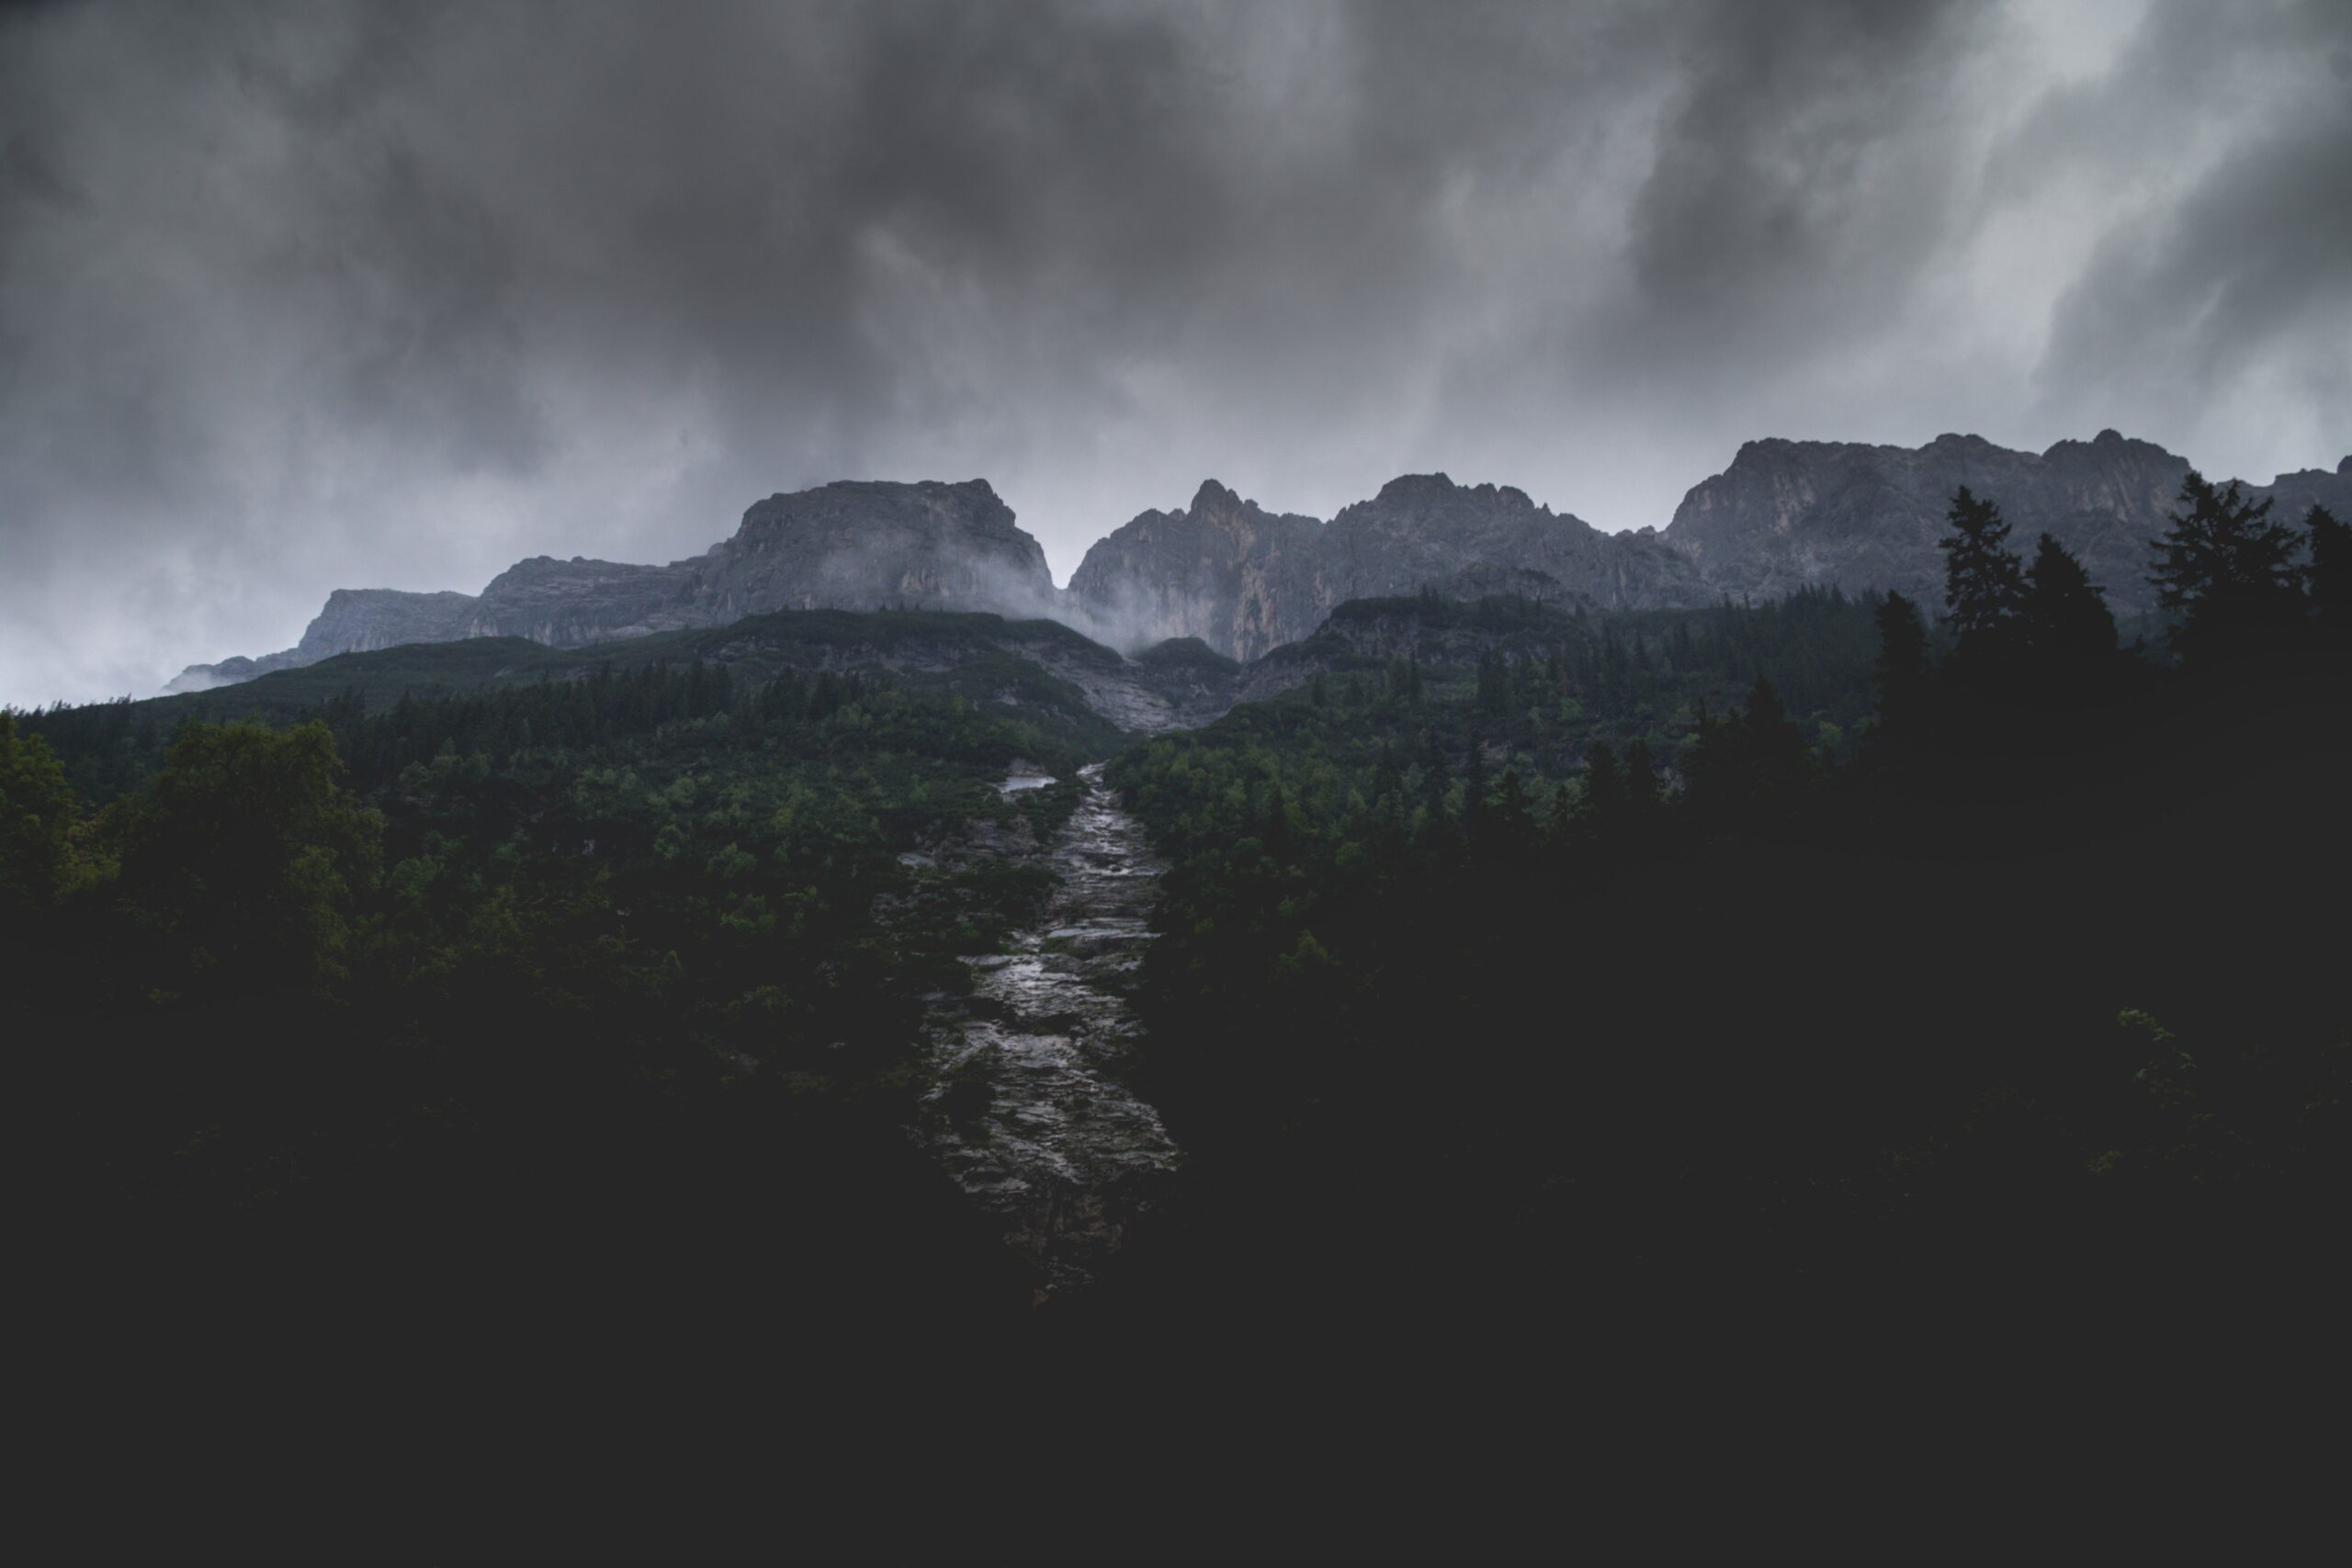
[[2029, 986]]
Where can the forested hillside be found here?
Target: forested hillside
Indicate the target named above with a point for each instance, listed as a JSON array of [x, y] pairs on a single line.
[[1555, 992], [524, 983], [1055, 679], [1512, 964]]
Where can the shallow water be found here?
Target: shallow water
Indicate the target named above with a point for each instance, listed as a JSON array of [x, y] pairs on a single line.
[[1062, 1151]]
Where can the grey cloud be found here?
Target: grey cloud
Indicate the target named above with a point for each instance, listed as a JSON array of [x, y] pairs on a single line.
[[1791, 162], [2238, 287], [300, 297]]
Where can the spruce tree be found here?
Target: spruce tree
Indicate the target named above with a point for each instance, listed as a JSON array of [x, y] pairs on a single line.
[[1901, 724], [1561, 823], [1604, 785], [1983, 581], [1276, 834], [1383, 776], [1494, 687], [2230, 574], [36, 808], [1435, 781], [2064, 617], [1774, 745], [1474, 783], [2331, 545], [1643, 795], [1901, 667], [1506, 827]]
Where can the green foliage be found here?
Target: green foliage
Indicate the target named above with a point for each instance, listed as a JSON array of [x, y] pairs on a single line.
[[656, 941], [1185, 653], [36, 818], [243, 860], [1453, 965], [1537, 955], [109, 747]]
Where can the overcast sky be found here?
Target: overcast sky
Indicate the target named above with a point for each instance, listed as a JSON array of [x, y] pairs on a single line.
[[295, 297]]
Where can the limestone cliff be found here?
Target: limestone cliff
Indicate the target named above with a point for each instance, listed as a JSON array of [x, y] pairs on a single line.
[[1244, 581], [1789, 514], [1240, 579], [1784, 516], [849, 546], [877, 545]]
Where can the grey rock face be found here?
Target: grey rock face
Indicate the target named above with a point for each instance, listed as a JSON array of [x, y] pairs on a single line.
[[229, 672], [1244, 581], [355, 620], [1790, 515], [361, 620], [848, 545], [1424, 529], [1785, 515], [877, 545], [568, 603], [1240, 579]]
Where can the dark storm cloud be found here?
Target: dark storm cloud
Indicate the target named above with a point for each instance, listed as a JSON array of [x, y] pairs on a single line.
[[2207, 301], [1771, 174], [294, 297]]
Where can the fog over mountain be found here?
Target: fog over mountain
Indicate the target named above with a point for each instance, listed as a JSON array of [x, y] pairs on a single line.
[[296, 298]]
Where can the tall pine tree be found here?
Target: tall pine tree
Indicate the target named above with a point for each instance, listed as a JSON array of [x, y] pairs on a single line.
[[1901, 667], [2064, 615], [1984, 581], [2331, 559], [2229, 574]]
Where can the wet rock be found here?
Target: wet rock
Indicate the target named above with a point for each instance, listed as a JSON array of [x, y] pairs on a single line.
[[1061, 1151]]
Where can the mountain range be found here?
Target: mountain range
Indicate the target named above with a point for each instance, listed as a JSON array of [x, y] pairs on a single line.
[[1784, 516]]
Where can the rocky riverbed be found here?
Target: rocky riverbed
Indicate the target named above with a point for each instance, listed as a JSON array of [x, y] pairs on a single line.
[[1029, 1116]]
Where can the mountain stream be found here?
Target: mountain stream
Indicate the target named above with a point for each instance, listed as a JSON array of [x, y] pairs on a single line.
[[1028, 1117]]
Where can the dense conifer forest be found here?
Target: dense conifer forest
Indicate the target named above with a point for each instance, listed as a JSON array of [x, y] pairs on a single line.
[[1545, 966], [532, 979], [2026, 987]]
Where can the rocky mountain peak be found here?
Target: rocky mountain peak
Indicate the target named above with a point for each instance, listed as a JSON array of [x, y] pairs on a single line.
[[2108, 447], [1790, 515], [548, 568], [1433, 505], [1214, 497], [1784, 516], [970, 506], [1431, 493], [856, 544], [1763, 449], [359, 620], [871, 544], [1245, 581], [1208, 572]]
